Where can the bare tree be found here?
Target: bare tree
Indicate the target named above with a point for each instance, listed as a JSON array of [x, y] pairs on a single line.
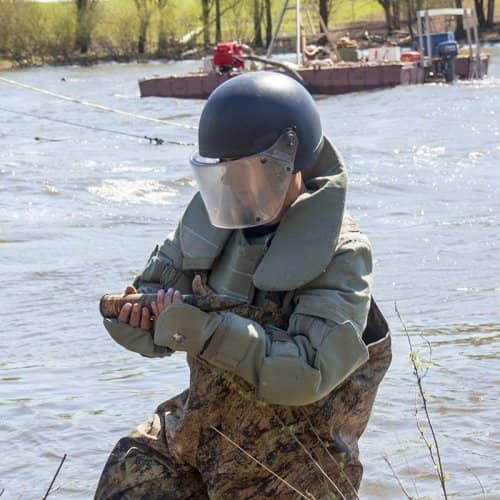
[[490, 19], [459, 31], [386, 5], [162, 34], [85, 22], [145, 11], [324, 11], [412, 6], [205, 17], [392, 13], [396, 14], [257, 23], [221, 9], [218, 15], [481, 18], [410, 16], [269, 22], [485, 13]]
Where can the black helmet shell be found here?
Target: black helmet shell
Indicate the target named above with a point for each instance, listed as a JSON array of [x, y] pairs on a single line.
[[247, 113]]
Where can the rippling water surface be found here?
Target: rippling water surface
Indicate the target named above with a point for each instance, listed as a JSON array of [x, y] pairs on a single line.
[[80, 210]]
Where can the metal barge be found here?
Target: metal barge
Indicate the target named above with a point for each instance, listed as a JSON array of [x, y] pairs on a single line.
[[436, 57]]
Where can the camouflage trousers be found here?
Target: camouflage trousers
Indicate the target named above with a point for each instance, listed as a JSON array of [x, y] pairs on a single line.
[[215, 440]]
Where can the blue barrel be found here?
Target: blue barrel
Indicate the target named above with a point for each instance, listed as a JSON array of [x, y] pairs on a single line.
[[436, 40]]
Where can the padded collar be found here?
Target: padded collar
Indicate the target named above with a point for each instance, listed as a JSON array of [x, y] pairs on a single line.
[[307, 236]]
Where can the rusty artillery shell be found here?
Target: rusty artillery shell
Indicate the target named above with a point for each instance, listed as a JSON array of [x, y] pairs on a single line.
[[111, 305]]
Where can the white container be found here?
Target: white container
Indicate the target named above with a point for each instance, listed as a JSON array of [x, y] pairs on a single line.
[[207, 64], [384, 54]]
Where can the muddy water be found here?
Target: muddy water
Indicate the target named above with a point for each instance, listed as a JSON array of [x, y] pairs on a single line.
[[81, 209]]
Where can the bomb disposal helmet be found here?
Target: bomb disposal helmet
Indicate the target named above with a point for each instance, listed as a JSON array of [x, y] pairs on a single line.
[[255, 131]]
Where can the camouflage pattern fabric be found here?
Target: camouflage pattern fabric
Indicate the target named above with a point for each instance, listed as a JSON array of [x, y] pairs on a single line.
[[189, 449]]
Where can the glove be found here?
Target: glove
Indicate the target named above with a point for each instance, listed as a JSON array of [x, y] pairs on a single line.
[[135, 339], [183, 327]]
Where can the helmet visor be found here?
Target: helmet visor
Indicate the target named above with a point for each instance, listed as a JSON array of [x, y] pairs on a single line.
[[248, 191]]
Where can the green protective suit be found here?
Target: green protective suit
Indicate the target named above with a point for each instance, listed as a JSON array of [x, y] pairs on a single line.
[[296, 400]]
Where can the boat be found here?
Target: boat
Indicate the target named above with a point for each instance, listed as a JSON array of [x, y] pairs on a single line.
[[435, 56]]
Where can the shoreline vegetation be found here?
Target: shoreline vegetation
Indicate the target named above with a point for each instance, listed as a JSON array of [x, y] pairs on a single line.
[[87, 32]]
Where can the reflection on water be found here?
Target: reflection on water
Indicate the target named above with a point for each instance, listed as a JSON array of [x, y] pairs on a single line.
[[81, 210], [136, 192]]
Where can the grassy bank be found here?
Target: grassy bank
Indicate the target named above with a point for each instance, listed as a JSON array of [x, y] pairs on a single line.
[[36, 33]]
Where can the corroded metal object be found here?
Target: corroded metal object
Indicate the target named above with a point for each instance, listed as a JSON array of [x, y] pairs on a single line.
[[111, 305]]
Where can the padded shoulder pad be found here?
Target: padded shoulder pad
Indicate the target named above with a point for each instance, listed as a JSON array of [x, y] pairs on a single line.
[[200, 242]]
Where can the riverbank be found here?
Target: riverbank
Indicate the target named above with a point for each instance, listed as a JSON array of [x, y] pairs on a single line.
[[37, 34], [365, 34], [372, 35], [33, 34]]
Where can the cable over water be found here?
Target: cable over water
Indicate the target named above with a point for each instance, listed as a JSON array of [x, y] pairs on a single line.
[[152, 140], [94, 105]]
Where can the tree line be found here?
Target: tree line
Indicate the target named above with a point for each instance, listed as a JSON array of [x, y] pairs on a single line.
[[124, 29], [395, 11]]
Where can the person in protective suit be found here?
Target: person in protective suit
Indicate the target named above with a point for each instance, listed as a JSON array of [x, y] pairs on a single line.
[[272, 410]]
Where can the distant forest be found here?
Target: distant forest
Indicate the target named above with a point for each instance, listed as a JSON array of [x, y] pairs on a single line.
[[89, 30]]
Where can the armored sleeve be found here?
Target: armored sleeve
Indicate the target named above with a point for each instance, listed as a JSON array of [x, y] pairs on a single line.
[[163, 269], [322, 346]]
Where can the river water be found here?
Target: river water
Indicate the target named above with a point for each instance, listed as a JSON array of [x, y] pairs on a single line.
[[80, 211]]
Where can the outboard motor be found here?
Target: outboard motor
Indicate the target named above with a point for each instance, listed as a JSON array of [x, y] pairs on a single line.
[[448, 52]]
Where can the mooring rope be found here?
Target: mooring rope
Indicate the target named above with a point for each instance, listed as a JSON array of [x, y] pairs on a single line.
[[152, 140], [94, 105]]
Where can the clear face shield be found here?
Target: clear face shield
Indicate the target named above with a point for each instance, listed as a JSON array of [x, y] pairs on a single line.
[[248, 191]]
